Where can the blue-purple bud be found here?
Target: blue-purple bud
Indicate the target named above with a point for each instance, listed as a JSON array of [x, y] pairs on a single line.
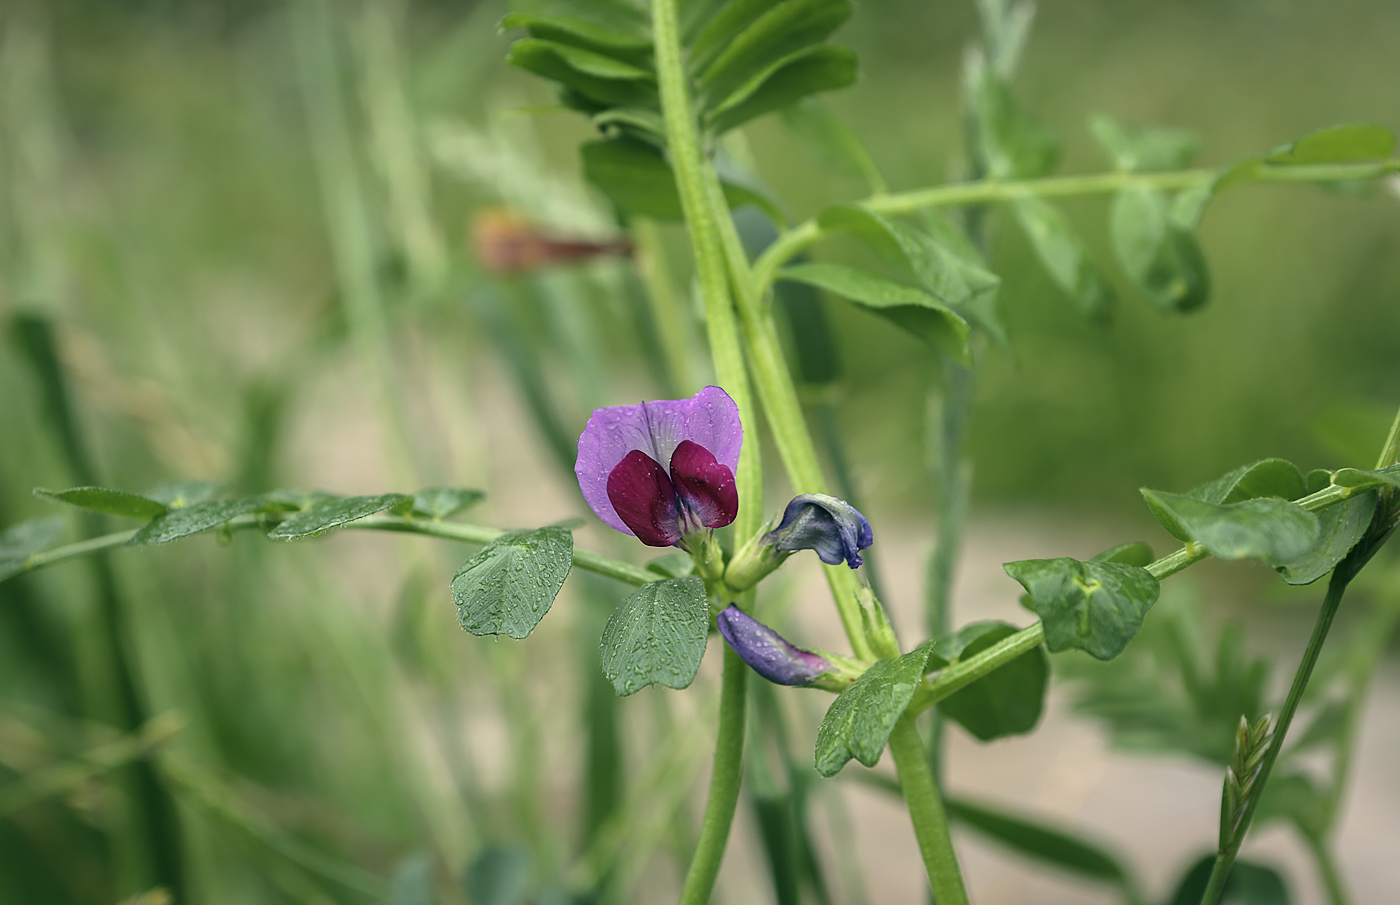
[[770, 655], [830, 526]]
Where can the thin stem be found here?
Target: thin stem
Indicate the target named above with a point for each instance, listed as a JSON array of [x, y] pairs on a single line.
[[987, 191], [965, 672], [724, 782], [1336, 587], [1327, 867], [683, 144], [926, 811], [472, 534], [783, 407]]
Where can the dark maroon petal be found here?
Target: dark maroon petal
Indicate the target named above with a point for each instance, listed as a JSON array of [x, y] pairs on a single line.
[[644, 499], [706, 487]]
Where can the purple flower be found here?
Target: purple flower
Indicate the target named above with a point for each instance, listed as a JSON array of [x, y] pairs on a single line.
[[770, 655], [663, 470], [832, 527]]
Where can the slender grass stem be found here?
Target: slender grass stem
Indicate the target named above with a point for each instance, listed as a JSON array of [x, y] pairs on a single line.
[[1336, 587], [927, 813]]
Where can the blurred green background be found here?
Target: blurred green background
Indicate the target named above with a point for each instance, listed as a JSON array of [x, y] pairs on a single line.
[[240, 219]]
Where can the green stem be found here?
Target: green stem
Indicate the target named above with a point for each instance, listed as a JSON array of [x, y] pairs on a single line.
[[988, 191], [783, 407], [683, 144], [1327, 867], [724, 782], [472, 534], [1336, 587], [926, 811]]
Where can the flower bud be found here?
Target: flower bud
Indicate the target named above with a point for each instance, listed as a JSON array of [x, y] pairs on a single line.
[[830, 526], [770, 655]]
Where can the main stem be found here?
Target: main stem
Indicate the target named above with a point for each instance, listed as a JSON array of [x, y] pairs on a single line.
[[927, 813], [683, 143]]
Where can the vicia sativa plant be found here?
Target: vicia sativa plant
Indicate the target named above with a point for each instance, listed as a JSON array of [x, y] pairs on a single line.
[[666, 85]]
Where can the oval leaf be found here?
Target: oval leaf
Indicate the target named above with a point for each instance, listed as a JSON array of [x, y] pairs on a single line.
[[858, 723], [826, 67], [1005, 702], [1273, 530], [178, 523], [1159, 255], [1096, 607], [443, 502], [638, 180], [1265, 478], [913, 309], [657, 636], [332, 514], [508, 587], [1340, 528], [1140, 149], [1133, 553], [106, 501], [1348, 143], [1063, 256]]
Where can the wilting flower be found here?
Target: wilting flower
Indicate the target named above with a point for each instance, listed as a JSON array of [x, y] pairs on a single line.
[[769, 653], [506, 244], [663, 470], [832, 527]]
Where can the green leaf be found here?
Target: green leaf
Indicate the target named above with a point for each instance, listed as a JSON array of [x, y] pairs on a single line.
[[1265, 478], [1266, 528], [499, 875], [622, 33], [913, 309], [1063, 256], [786, 29], [178, 523], [672, 565], [657, 635], [833, 143], [826, 67], [508, 587], [1133, 553], [858, 723], [636, 122], [1037, 840], [332, 514], [1010, 142], [19, 541], [1249, 884], [444, 502], [1357, 477], [942, 269], [638, 179], [1349, 143], [579, 70], [1161, 257], [1096, 607], [105, 500], [1144, 150], [1340, 528], [178, 494], [1007, 701]]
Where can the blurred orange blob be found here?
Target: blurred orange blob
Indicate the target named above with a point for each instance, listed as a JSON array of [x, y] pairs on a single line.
[[505, 243]]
